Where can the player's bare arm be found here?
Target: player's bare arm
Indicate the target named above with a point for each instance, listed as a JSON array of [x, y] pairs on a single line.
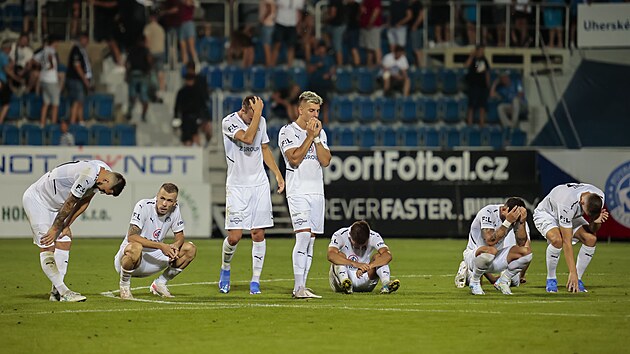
[[61, 217], [271, 163], [520, 230], [323, 154], [79, 209], [338, 258], [296, 155], [133, 235], [383, 257], [597, 223], [248, 135]]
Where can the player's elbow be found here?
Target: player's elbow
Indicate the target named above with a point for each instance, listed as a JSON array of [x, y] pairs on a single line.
[[248, 140]]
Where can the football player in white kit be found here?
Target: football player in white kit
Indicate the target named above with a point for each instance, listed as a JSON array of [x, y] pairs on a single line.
[[359, 258], [559, 219], [248, 196], [53, 203], [143, 251], [305, 150], [486, 253]]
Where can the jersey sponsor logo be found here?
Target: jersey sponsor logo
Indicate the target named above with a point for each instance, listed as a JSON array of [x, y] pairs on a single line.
[[286, 142], [80, 188], [486, 219], [618, 194], [380, 244], [180, 223], [564, 220], [249, 148], [156, 233], [136, 216], [232, 128], [299, 221], [236, 220]]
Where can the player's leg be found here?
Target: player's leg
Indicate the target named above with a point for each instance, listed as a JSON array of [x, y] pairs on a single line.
[[62, 256], [187, 252], [548, 227], [262, 218], [236, 219], [383, 273], [484, 256], [300, 216], [511, 261], [339, 279], [259, 249], [127, 260], [587, 251], [316, 221]]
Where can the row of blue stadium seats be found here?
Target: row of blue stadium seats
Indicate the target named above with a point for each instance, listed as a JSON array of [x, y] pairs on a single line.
[[255, 78], [11, 17], [415, 136], [97, 134], [99, 106]]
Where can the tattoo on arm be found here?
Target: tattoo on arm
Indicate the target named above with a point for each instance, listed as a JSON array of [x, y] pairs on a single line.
[[66, 209], [134, 230]]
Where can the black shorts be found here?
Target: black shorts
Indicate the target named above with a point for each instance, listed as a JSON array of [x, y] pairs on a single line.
[[286, 35], [5, 94], [477, 97], [189, 128]]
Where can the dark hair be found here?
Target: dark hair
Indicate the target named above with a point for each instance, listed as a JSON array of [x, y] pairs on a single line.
[[120, 184], [360, 232], [190, 76], [513, 202], [593, 205], [398, 48], [170, 188], [247, 102]]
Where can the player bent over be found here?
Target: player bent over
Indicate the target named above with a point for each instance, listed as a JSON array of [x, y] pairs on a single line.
[[355, 264], [559, 219], [53, 203], [486, 251], [143, 251]]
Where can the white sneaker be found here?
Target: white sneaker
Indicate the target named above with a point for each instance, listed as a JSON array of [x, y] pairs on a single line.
[[160, 290], [475, 289], [71, 296], [310, 294], [304, 293], [125, 292], [460, 277], [503, 287]]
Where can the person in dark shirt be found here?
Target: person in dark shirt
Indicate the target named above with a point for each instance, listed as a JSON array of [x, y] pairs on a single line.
[[478, 80], [190, 106], [353, 11], [139, 63], [78, 77], [337, 27]]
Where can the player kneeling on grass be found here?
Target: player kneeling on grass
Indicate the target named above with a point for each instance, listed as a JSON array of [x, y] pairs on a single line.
[[486, 251], [354, 268], [143, 251]]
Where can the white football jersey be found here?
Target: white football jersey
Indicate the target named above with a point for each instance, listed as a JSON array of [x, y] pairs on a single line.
[[563, 202], [154, 227], [77, 177], [308, 177], [245, 162], [341, 241], [489, 218]]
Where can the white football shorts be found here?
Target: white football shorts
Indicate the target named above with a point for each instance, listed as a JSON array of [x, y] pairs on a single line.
[[307, 212], [248, 207], [362, 284], [499, 263], [40, 217], [151, 262], [544, 222]]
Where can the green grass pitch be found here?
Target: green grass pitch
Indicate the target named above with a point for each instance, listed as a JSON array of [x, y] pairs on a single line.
[[427, 315]]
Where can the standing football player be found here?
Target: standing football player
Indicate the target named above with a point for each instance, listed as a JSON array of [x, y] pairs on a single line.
[[53, 203]]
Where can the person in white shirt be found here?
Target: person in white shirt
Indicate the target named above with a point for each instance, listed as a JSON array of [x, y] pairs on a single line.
[[288, 17], [248, 196], [143, 252], [394, 72], [488, 249], [559, 218], [304, 147], [359, 258], [49, 80], [53, 203]]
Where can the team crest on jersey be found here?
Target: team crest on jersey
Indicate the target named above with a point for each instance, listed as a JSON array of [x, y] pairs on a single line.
[[168, 219], [156, 234], [618, 194], [354, 258]]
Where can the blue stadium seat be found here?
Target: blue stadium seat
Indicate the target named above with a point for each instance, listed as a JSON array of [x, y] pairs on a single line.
[[13, 17], [386, 108], [366, 136], [414, 79], [88, 107], [125, 134], [429, 110], [9, 134], [103, 107], [232, 104], [493, 114], [101, 135], [430, 137], [366, 80], [341, 108], [214, 77], [428, 81], [495, 137], [52, 134], [451, 137], [34, 105], [259, 51], [450, 82], [343, 81], [64, 108], [409, 135], [472, 136], [234, 78], [364, 109], [407, 110], [518, 137], [299, 77], [15, 109], [211, 50], [450, 110], [345, 137], [258, 79], [280, 78], [386, 135], [81, 134], [32, 134]]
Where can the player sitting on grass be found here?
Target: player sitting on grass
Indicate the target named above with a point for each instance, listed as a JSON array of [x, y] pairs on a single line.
[[143, 251], [354, 268], [486, 252]]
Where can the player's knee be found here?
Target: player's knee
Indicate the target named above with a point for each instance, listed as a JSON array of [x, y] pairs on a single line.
[[133, 250], [486, 249], [189, 250], [554, 237], [258, 235], [590, 240], [527, 258]]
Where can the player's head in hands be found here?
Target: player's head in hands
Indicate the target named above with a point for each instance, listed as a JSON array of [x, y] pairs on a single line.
[[360, 234], [591, 205]]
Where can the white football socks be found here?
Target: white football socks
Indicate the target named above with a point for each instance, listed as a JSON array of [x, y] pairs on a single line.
[[341, 272], [61, 259], [383, 273], [302, 240], [309, 258], [583, 259], [228, 253], [258, 259], [514, 268], [553, 256], [125, 277], [168, 274], [482, 263], [47, 262]]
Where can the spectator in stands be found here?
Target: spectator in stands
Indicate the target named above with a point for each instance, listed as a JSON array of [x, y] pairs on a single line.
[[306, 35], [172, 21], [336, 21], [79, 77], [520, 34], [187, 32], [321, 71], [139, 63], [400, 16], [132, 16], [499, 17], [284, 103], [189, 108], [288, 16], [267, 17], [416, 30], [573, 6], [49, 80], [204, 122], [29, 13], [552, 15], [478, 82], [241, 46], [21, 55], [353, 14], [469, 14], [440, 18], [105, 12], [371, 22], [394, 72], [512, 99], [6, 72], [67, 139], [75, 16], [156, 38]]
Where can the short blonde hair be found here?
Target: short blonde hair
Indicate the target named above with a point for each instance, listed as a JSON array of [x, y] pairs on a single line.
[[311, 97]]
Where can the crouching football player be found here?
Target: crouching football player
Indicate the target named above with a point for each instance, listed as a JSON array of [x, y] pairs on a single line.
[[355, 265], [143, 251]]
